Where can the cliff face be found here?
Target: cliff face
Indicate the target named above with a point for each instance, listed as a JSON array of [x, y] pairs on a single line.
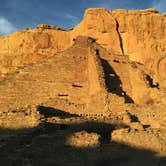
[[143, 34], [140, 34], [30, 46], [137, 34], [101, 25], [66, 89]]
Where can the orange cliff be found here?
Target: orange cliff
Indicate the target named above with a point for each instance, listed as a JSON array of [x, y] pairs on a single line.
[[138, 34], [31, 45]]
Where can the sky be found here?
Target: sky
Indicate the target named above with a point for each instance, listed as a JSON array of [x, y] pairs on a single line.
[[16, 15]]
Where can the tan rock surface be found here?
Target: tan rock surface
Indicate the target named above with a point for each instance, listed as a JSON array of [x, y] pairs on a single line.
[[72, 79], [101, 25], [138, 34], [58, 82], [78, 80], [29, 46], [105, 90]]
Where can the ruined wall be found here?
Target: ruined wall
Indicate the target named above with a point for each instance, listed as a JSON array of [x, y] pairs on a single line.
[[63, 79]]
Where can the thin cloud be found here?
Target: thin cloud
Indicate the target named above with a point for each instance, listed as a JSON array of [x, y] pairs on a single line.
[[6, 27], [160, 5], [72, 20], [72, 17]]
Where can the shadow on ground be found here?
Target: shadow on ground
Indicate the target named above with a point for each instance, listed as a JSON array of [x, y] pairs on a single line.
[[45, 145]]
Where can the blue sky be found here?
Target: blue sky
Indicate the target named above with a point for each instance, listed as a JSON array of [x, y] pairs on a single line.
[[20, 14]]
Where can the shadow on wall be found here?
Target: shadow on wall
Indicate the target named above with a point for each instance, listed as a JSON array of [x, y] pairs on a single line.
[[113, 82], [52, 112], [151, 82], [45, 145]]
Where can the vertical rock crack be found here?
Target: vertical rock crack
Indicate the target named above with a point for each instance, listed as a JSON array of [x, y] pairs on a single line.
[[120, 37]]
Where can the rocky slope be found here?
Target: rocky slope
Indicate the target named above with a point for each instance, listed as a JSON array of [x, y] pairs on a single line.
[[74, 76]]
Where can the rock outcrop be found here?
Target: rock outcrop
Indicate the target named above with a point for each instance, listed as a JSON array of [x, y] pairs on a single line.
[[30, 46], [137, 34], [140, 34], [100, 85], [101, 25], [121, 61]]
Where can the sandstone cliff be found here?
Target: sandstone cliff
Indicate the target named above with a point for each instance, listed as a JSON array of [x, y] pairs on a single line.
[[100, 86], [137, 34], [31, 45]]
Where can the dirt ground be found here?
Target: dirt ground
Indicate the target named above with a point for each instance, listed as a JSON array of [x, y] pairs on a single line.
[[46, 144]]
